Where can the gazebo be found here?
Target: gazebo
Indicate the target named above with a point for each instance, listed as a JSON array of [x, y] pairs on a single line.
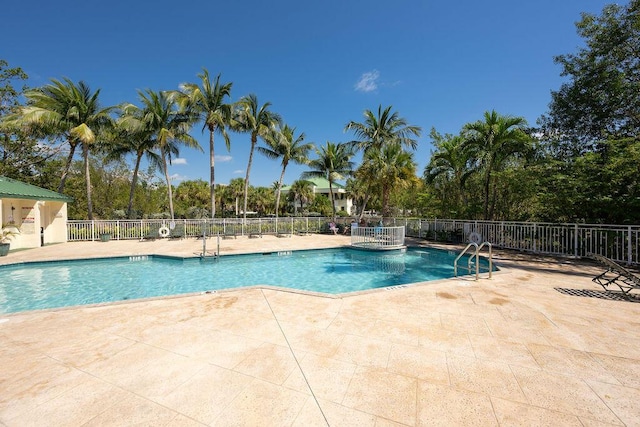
[[40, 215]]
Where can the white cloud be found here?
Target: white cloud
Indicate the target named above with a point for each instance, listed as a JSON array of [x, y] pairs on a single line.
[[223, 158], [179, 161], [176, 177], [368, 82], [238, 171]]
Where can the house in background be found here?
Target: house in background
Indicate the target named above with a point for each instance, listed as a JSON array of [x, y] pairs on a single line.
[[40, 215], [321, 186]]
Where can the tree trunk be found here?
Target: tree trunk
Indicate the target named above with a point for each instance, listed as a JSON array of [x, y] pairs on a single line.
[[134, 181], [364, 205], [487, 180], [492, 206], [85, 155], [254, 139], [67, 166], [212, 182], [333, 203], [284, 166], [385, 202], [166, 175]]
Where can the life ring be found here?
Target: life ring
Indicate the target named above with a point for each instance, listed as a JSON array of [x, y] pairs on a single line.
[[475, 237], [163, 231]]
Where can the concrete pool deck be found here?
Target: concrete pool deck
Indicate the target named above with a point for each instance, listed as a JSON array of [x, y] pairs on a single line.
[[537, 344]]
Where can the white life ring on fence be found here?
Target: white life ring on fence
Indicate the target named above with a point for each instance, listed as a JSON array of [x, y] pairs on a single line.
[[163, 231], [475, 238]]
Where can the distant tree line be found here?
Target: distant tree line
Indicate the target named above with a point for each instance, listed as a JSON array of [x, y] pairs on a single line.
[[579, 163]]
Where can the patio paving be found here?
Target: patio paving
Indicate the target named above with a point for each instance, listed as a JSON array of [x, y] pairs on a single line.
[[510, 350]]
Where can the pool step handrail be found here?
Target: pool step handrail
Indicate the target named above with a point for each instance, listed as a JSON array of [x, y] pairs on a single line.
[[206, 254], [464, 251], [490, 246], [476, 254]]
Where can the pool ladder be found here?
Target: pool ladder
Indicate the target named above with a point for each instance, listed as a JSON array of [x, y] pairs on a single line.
[[475, 254], [204, 255]]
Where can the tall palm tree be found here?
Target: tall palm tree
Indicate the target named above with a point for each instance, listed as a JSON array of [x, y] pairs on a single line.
[[70, 111], [208, 102], [493, 141], [333, 163], [169, 128], [255, 120], [382, 129], [301, 190], [282, 143], [395, 169], [132, 136]]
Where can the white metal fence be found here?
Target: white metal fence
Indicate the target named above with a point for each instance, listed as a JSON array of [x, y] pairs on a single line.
[[377, 237], [618, 242], [139, 229]]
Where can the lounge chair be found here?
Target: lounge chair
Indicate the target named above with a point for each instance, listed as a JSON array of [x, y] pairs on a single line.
[[303, 232], [177, 232], [230, 232], [152, 234], [616, 275]]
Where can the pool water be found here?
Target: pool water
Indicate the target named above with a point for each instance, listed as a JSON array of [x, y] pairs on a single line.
[[42, 285]]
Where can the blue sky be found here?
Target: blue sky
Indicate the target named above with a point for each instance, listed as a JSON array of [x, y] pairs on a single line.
[[320, 64]]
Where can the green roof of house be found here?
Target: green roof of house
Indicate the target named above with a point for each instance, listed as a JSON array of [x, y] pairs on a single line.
[[12, 189], [319, 183]]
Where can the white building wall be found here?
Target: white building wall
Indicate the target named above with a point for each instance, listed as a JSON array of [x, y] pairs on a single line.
[[29, 216]]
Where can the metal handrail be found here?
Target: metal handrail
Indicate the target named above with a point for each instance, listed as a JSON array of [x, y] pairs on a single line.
[[490, 256], [476, 254], [455, 263]]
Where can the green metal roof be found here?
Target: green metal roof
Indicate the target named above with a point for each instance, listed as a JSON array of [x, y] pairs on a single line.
[[12, 189], [319, 183]]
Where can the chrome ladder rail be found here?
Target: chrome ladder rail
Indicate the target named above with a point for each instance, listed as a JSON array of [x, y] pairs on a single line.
[[475, 254], [490, 246], [455, 263]]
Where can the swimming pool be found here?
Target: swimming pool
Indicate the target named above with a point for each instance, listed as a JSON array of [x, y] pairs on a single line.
[[42, 285]]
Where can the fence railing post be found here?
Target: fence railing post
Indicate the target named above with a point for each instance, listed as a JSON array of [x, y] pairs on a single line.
[[575, 242], [629, 249]]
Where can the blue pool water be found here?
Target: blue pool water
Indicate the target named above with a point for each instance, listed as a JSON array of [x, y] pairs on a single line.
[[43, 285]]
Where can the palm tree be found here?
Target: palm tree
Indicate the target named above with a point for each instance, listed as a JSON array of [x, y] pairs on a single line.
[[208, 102], [256, 120], [385, 128], [333, 163], [282, 143], [492, 142], [234, 190], [365, 185], [169, 128], [132, 136], [450, 162], [71, 111], [395, 168], [261, 199], [301, 190]]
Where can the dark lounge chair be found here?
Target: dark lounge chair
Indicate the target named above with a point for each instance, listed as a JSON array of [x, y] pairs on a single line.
[[177, 232], [616, 275], [152, 234]]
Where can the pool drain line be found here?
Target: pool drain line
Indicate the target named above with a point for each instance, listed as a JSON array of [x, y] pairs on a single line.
[[295, 358]]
